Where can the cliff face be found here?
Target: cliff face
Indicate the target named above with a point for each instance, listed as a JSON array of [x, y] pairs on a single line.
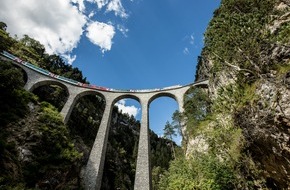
[[247, 59], [36, 150], [266, 130]]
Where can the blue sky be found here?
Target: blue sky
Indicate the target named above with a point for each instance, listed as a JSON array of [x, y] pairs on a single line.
[[121, 44]]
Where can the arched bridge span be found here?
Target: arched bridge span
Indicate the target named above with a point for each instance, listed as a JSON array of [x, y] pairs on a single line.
[[94, 170]]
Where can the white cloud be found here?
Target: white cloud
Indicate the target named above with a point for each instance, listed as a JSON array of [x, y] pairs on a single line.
[[111, 5], [56, 24], [100, 3], [131, 110], [59, 24], [123, 29], [191, 39], [188, 39], [91, 14], [101, 34], [69, 58], [81, 5], [186, 51], [123, 101], [117, 7]]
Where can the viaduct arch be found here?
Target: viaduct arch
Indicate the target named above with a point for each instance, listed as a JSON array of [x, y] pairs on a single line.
[[92, 177]]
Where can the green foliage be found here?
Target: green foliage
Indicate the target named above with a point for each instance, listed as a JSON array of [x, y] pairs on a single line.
[[53, 94], [19, 186], [49, 115], [13, 99], [29, 50], [52, 152], [212, 165], [86, 117], [55, 135], [169, 131], [283, 69], [235, 96], [5, 40], [177, 120], [197, 107], [157, 173], [238, 34], [282, 35], [3, 26], [121, 155], [36, 47], [238, 44], [214, 161], [196, 104], [56, 65], [203, 172], [220, 143], [161, 151], [11, 77]]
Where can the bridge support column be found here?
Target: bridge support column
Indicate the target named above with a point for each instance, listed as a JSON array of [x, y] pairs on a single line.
[[143, 173], [94, 169], [179, 100], [28, 85], [32, 78], [68, 106]]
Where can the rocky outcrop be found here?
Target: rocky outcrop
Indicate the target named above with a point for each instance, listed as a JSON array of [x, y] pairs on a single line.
[[30, 162], [266, 128], [264, 117]]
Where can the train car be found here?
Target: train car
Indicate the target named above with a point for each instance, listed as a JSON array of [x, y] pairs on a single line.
[[68, 80], [13, 57], [50, 74], [35, 68], [8, 55], [171, 87], [103, 88]]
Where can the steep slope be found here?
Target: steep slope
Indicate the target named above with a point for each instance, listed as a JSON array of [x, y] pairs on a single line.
[[35, 146], [239, 139], [247, 58]]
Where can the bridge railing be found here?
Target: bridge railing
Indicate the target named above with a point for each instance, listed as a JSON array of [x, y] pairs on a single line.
[[84, 85]]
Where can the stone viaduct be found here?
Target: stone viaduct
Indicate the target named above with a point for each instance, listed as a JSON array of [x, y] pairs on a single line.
[[94, 168]]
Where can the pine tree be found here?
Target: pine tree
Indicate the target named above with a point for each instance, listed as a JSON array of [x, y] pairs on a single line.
[[169, 133]]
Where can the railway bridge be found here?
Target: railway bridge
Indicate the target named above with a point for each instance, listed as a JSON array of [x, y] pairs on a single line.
[[37, 77]]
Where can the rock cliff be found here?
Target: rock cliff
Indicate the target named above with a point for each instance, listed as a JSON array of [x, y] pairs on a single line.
[[247, 59]]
